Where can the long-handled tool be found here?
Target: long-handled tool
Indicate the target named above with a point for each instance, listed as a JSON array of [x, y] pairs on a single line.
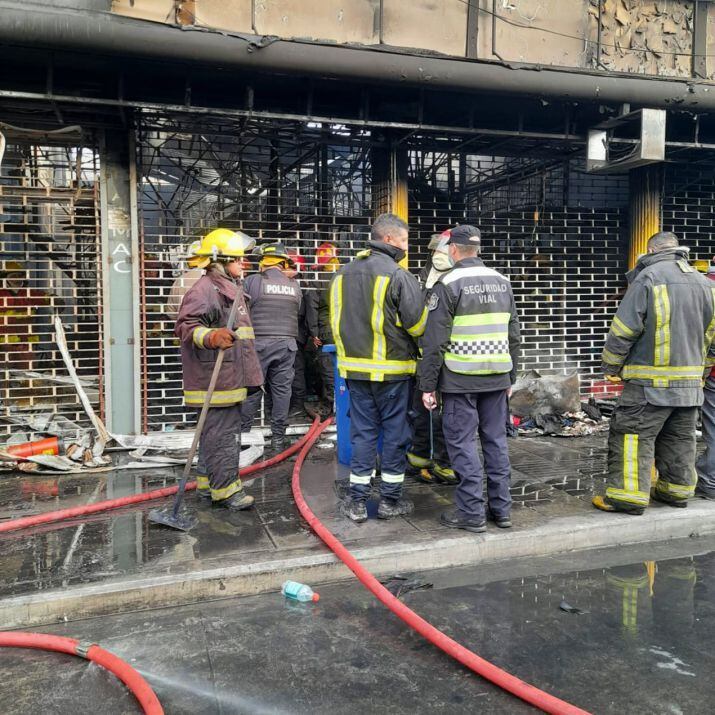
[[431, 437], [171, 517]]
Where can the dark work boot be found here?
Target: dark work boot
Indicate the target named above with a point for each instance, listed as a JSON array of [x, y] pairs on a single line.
[[236, 502], [389, 508], [204, 494], [454, 519], [655, 495], [279, 443], [704, 494], [503, 521], [203, 490], [355, 510]]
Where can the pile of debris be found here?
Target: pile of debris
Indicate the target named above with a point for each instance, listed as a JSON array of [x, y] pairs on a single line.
[[551, 405], [47, 443]]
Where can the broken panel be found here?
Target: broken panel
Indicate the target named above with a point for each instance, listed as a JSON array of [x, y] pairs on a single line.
[[49, 265]]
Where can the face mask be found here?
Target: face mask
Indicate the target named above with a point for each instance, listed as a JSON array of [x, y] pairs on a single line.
[[442, 262]]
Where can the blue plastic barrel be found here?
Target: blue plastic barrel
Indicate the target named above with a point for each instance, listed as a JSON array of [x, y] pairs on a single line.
[[342, 411]]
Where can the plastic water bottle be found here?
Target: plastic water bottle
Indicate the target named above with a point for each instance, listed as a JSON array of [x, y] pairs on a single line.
[[299, 592]]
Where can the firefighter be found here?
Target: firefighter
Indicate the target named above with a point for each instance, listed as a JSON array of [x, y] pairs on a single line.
[[203, 330], [659, 343], [377, 314], [180, 287], [275, 304], [427, 457], [318, 319], [470, 354], [706, 462]]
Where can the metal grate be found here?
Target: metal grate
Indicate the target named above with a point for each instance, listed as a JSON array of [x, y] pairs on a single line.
[[49, 265], [299, 183], [554, 230]]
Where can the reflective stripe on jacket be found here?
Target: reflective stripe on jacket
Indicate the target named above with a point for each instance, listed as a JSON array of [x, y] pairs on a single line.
[[376, 314], [472, 334], [204, 308], [662, 334]]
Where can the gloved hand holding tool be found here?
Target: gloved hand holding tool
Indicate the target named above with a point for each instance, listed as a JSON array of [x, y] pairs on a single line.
[[221, 338]]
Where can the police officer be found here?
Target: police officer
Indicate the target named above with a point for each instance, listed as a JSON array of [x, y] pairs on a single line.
[[377, 314], [427, 458], [274, 302], [470, 354], [659, 344], [202, 326]]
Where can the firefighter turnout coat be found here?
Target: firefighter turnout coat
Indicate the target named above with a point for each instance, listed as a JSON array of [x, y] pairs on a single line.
[[376, 313], [662, 333], [205, 307]]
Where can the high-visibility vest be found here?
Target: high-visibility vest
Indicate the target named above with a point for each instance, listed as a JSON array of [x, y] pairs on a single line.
[[479, 341]]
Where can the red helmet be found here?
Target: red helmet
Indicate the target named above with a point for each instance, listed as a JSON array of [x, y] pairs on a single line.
[[326, 254], [297, 261]]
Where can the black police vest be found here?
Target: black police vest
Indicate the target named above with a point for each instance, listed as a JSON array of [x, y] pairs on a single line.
[[274, 313]]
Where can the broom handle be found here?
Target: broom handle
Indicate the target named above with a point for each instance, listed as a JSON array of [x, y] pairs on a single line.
[[205, 407]]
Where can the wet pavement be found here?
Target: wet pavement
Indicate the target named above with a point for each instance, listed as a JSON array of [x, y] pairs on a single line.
[[643, 644], [552, 477]]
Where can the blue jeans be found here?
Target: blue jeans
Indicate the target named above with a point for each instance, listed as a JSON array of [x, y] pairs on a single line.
[[463, 416], [376, 406]]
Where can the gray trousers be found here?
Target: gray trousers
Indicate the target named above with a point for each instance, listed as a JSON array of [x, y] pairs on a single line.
[[277, 358], [706, 462], [219, 450], [641, 432], [463, 416]]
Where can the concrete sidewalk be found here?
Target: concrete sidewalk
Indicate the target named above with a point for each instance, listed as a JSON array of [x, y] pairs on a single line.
[[118, 562]]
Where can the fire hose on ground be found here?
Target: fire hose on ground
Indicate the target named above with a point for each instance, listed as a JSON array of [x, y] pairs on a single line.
[[51, 517], [540, 699], [89, 651]]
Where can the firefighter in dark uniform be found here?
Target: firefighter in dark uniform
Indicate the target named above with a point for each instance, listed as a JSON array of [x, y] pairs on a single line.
[[377, 314], [470, 354], [427, 458], [660, 345], [275, 302], [317, 315], [202, 326]]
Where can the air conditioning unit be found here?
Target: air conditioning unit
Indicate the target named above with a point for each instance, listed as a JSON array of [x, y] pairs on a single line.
[[625, 142]]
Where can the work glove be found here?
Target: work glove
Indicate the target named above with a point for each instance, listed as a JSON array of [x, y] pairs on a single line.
[[220, 338], [614, 378]]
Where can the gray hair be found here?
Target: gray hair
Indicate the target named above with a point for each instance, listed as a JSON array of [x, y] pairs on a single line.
[[386, 224], [661, 241]]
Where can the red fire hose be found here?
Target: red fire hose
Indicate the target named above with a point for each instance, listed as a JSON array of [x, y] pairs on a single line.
[[544, 701], [136, 684], [64, 514]]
